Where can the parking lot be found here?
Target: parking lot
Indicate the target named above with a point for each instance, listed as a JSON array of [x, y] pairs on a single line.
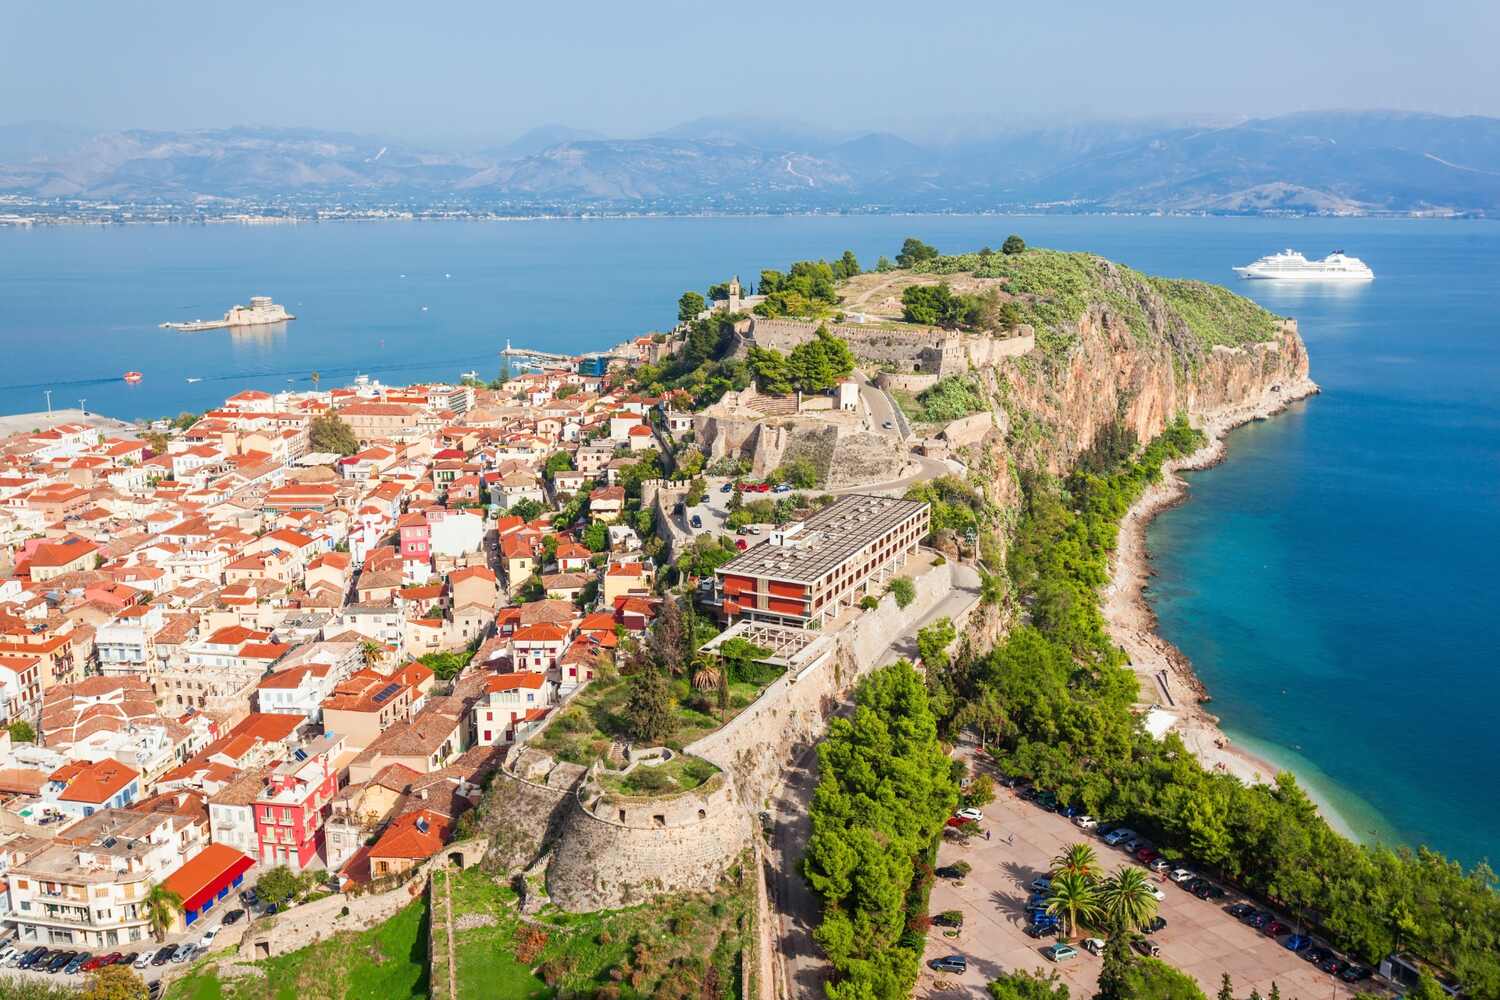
[[153, 966], [1201, 937]]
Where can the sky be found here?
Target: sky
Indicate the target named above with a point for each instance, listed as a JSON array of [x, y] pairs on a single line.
[[480, 70]]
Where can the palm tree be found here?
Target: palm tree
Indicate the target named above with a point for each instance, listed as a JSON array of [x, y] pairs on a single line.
[[370, 651], [1079, 859], [1128, 899], [706, 673], [162, 907], [1073, 896]]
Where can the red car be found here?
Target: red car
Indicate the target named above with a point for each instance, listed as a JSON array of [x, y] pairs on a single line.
[[92, 964], [1275, 929], [1146, 854]]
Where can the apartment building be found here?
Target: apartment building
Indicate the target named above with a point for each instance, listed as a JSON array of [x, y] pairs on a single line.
[[811, 570], [291, 806]]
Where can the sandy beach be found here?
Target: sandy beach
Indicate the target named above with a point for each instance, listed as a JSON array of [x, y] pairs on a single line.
[[1166, 675]]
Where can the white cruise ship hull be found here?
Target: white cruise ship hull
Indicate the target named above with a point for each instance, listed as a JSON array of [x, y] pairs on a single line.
[[1349, 277]]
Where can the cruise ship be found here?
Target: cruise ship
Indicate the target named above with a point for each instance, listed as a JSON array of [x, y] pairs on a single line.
[[1289, 265], [260, 312]]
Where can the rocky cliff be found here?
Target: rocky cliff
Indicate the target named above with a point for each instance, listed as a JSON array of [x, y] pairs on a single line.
[[1115, 345]]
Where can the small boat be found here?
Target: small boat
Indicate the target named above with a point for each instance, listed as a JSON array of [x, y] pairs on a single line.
[[133, 377], [424, 308], [471, 374], [195, 380]]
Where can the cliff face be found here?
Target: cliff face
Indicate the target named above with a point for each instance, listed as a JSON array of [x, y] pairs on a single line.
[[1136, 356]]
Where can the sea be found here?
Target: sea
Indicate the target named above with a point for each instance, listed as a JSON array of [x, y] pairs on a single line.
[[1333, 581]]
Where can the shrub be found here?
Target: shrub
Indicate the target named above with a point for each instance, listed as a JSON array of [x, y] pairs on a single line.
[[529, 942], [903, 590], [869, 603]]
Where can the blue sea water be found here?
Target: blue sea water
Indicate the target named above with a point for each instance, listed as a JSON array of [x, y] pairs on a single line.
[[1333, 581]]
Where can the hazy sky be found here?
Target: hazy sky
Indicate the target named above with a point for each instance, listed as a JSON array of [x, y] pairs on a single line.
[[472, 69]]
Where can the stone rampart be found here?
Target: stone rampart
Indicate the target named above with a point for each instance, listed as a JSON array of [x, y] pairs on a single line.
[[615, 850], [916, 348], [906, 382]]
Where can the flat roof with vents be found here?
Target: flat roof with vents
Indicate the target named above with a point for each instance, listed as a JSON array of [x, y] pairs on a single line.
[[826, 539]]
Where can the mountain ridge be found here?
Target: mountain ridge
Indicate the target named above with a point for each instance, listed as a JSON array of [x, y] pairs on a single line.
[[1349, 162]]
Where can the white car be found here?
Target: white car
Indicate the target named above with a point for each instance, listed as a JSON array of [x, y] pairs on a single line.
[[972, 815], [208, 938], [1180, 875], [1156, 892], [1085, 822], [1094, 946]]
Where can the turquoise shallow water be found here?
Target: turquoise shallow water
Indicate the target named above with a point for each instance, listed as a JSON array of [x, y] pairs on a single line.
[[1333, 581]]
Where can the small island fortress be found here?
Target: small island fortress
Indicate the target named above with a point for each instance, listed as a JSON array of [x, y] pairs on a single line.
[[260, 312]]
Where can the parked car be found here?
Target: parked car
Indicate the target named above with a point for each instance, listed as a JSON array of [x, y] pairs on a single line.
[[949, 871], [1182, 876], [1297, 943], [1160, 865], [1040, 884], [1334, 966], [249, 898], [1317, 956], [92, 963], [184, 952], [59, 961], [972, 815], [164, 955], [129, 958], [1118, 836], [952, 963], [143, 960], [781, 488], [1354, 974], [697, 521], [1148, 948], [1157, 893], [1275, 928], [727, 488], [1146, 855], [1207, 890], [887, 424], [233, 917], [1085, 822], [1040, 930], [208, 937], [29, 958], [1094, 946], [1255, 919], [1155, 924], [956, 919], [1060, 952], [1240, 910], [6, 953]]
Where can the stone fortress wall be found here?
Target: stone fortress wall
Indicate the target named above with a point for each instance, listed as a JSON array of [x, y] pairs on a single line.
[[908, 349], [615, 850]]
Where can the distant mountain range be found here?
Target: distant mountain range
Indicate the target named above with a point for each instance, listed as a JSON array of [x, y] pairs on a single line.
[[1316, 162]]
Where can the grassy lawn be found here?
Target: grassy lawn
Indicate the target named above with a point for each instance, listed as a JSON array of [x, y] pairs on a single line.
[[386, 961], [678, 946], [596, 717], [677, 775]]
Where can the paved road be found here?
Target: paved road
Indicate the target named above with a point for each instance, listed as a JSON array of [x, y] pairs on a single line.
[[927, 468], [803, 969], [882, 410]]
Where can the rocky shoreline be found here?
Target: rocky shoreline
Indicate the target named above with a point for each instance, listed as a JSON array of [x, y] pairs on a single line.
[[1160, 666]]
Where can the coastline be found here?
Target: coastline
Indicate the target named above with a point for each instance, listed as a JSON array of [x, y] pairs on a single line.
[[1160, 667]]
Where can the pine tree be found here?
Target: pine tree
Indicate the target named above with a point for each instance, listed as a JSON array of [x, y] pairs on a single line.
[[1275, 991], [1255, 994], [1114, 972], [1226, 988], [649, 707]]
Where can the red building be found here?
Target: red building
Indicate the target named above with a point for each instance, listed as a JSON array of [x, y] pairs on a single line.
[[290, 809], [810, 571]]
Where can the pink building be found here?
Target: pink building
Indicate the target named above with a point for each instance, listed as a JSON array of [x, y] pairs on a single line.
[[416, 537], [291, 807]]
